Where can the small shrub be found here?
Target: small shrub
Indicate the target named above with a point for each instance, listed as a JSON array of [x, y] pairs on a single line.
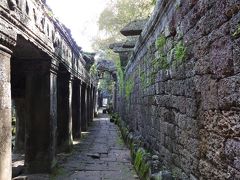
[[180, 53], [237, 32], [129, 88], [160, 42], [163, 63], [154, 2]]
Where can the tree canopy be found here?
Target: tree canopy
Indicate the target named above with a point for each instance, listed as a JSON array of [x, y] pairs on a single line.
[[115, 16]]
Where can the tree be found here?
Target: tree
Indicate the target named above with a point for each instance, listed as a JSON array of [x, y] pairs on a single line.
[[115, 16]]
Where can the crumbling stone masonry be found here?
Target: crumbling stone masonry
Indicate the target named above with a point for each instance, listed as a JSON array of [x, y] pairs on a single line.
[[182, 88], [42, 71]]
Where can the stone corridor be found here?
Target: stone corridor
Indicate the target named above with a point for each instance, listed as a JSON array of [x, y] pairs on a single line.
[[99, 155], [176, 96]]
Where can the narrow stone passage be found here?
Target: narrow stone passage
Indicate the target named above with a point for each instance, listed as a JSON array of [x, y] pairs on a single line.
[[101, 154]]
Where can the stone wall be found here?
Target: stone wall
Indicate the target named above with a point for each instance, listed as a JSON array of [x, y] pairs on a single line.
[[183, 94]]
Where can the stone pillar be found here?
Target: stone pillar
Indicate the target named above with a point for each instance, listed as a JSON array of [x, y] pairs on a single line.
[[76, 109], [88, 106], [96, 102], [41, 120], [92, 103], [64, 103], [84, 124], [115, 97], [20, 125], [5, 115], [100, 99]]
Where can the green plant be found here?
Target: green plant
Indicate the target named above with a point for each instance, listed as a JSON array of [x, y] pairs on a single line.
[[140, 163], [138, 158], [129, 88], [120, 75], [163, 63], [93, 70], [176, 172], [154, 2], [160, 42], [144, 169], [153, 77], [237, 31], [143, 79], [180, 53]]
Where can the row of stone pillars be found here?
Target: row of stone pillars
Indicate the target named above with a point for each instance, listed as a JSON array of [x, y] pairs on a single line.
[[52, 108]]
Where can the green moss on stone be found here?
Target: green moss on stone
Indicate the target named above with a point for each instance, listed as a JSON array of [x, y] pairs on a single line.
[[160, 42], [129, 88], [180, 53]]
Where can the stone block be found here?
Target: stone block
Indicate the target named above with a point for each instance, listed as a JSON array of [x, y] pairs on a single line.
[[208, 171], [208, 90], [179, 103], [191, 107], [228, 92], [232, 149], [221, 57]]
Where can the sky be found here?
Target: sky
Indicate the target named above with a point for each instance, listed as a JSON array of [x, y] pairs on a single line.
[[81, 17]]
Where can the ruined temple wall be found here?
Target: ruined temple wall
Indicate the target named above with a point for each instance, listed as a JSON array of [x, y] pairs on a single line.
[[184, 97]]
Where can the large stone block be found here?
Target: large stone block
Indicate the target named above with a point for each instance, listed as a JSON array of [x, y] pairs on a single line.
[[221, 57], [228, 92]]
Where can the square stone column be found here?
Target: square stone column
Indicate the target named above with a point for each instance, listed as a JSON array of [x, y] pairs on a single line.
[[41, 120], [5, 115], [64, 122], [76, 108], [88, 105], [84, 123], [92, 103]]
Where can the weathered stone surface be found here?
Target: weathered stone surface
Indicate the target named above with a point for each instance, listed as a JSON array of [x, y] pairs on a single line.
[[100, 155], [134, 28], [189, 111], [5, 116]]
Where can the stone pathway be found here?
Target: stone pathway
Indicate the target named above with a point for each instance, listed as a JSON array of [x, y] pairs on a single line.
[[101, 154]]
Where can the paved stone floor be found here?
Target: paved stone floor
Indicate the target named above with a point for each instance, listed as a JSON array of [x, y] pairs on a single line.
[[100, 154]]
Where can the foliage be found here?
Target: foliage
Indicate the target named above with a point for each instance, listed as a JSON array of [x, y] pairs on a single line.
[[106, 83], [140, 164], [237, 31], [180, 53], [120, 12], [129, 88], [160, 42], [138, 158], [154, 2], [115, 16], [120, 74], [93, 70], [161, 62]]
